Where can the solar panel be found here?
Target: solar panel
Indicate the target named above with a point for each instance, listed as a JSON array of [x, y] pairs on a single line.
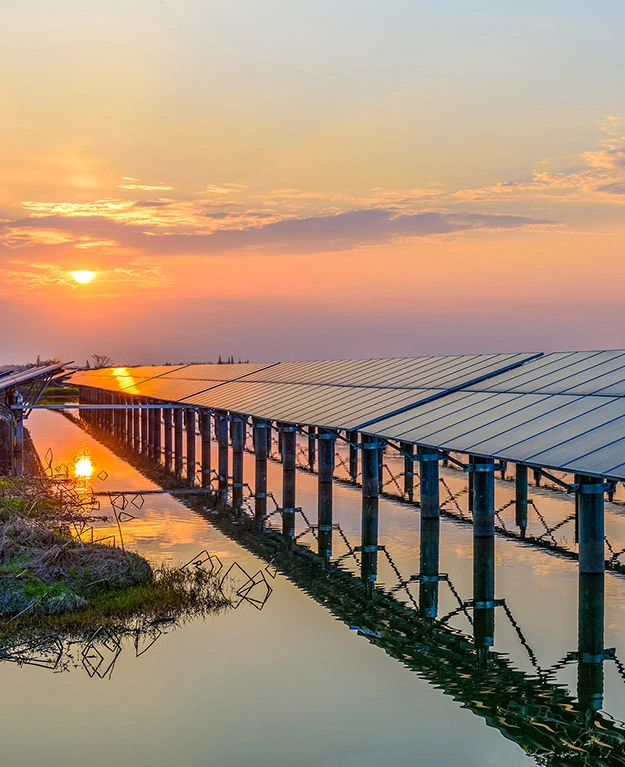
[[29, 374], [561, 410]]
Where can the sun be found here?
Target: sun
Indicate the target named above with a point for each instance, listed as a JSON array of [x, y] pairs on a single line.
[[83, 276]]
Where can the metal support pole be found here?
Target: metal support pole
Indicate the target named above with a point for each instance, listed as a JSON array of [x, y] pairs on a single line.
[[289, 443], [369, 534], [205, 429], [157, 435], [111, 418], [429, 532], [577, 481], [191, 459], [408, 449], [521, 498], [381, 450], [145, 430], [325, 474], [178, 456], [353, 455], [18, 437], [312, 447], [167, 433], [130, 425], [471, 491], [269, 439], [221, 427], [483, 470], [117, 427], [152, 433], [238, 446], [260, 481], [136, 427]]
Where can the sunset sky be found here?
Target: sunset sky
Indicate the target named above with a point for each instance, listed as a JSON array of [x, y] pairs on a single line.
[[287, 179]]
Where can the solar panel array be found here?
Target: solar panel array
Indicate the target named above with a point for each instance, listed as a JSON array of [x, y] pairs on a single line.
[[562, 410], [29, 374], [340, 394]]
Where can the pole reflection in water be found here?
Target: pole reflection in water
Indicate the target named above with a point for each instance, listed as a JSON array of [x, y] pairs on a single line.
[[482, 470], [430, 533], [324, 498], [369, 535], [590, 641]]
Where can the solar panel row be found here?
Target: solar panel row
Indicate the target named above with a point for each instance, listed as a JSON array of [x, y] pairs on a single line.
[[562, 410]]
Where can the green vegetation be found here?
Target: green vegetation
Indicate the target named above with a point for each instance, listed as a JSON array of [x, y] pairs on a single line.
[[50, 579]]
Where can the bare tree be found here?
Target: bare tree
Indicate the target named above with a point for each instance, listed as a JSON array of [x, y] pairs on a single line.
[[101, 361]]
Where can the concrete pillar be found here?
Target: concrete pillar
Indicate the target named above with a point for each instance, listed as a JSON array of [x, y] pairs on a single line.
[[325, 474], [289, 444], [205, 430], [353, 455], [429, 532], [408, 450], [521, 498], [167, 433], [429, 486], [260, 481], [221, 427], [178, 453], [238, 446], [483, 470], [369, 526], [191, 456], [312, 447], [591, 524]]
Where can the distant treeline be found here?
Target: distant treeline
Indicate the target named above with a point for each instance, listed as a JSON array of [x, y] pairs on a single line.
[[26, 365]]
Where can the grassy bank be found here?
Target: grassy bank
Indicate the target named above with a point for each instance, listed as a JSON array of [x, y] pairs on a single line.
[[51, 579]]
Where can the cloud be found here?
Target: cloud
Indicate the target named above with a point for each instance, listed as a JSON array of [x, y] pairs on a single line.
[[357, 228], [597, 177], [145, 187]]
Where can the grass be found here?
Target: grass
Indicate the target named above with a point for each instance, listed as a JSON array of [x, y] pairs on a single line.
[[50, 580]]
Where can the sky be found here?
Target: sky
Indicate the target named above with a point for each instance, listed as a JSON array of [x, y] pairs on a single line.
[[281, 179]]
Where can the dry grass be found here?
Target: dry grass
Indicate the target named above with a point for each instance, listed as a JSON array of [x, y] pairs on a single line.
[[51, 579]]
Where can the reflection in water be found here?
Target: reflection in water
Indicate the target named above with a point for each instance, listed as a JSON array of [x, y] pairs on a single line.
[[529, 707], [83, 468], [98, 653], [531, 710]]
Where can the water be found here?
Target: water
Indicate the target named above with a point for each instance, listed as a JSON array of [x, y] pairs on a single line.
[[290, 684]]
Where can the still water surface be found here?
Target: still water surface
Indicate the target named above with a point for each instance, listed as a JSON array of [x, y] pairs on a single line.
[[290, 684]]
